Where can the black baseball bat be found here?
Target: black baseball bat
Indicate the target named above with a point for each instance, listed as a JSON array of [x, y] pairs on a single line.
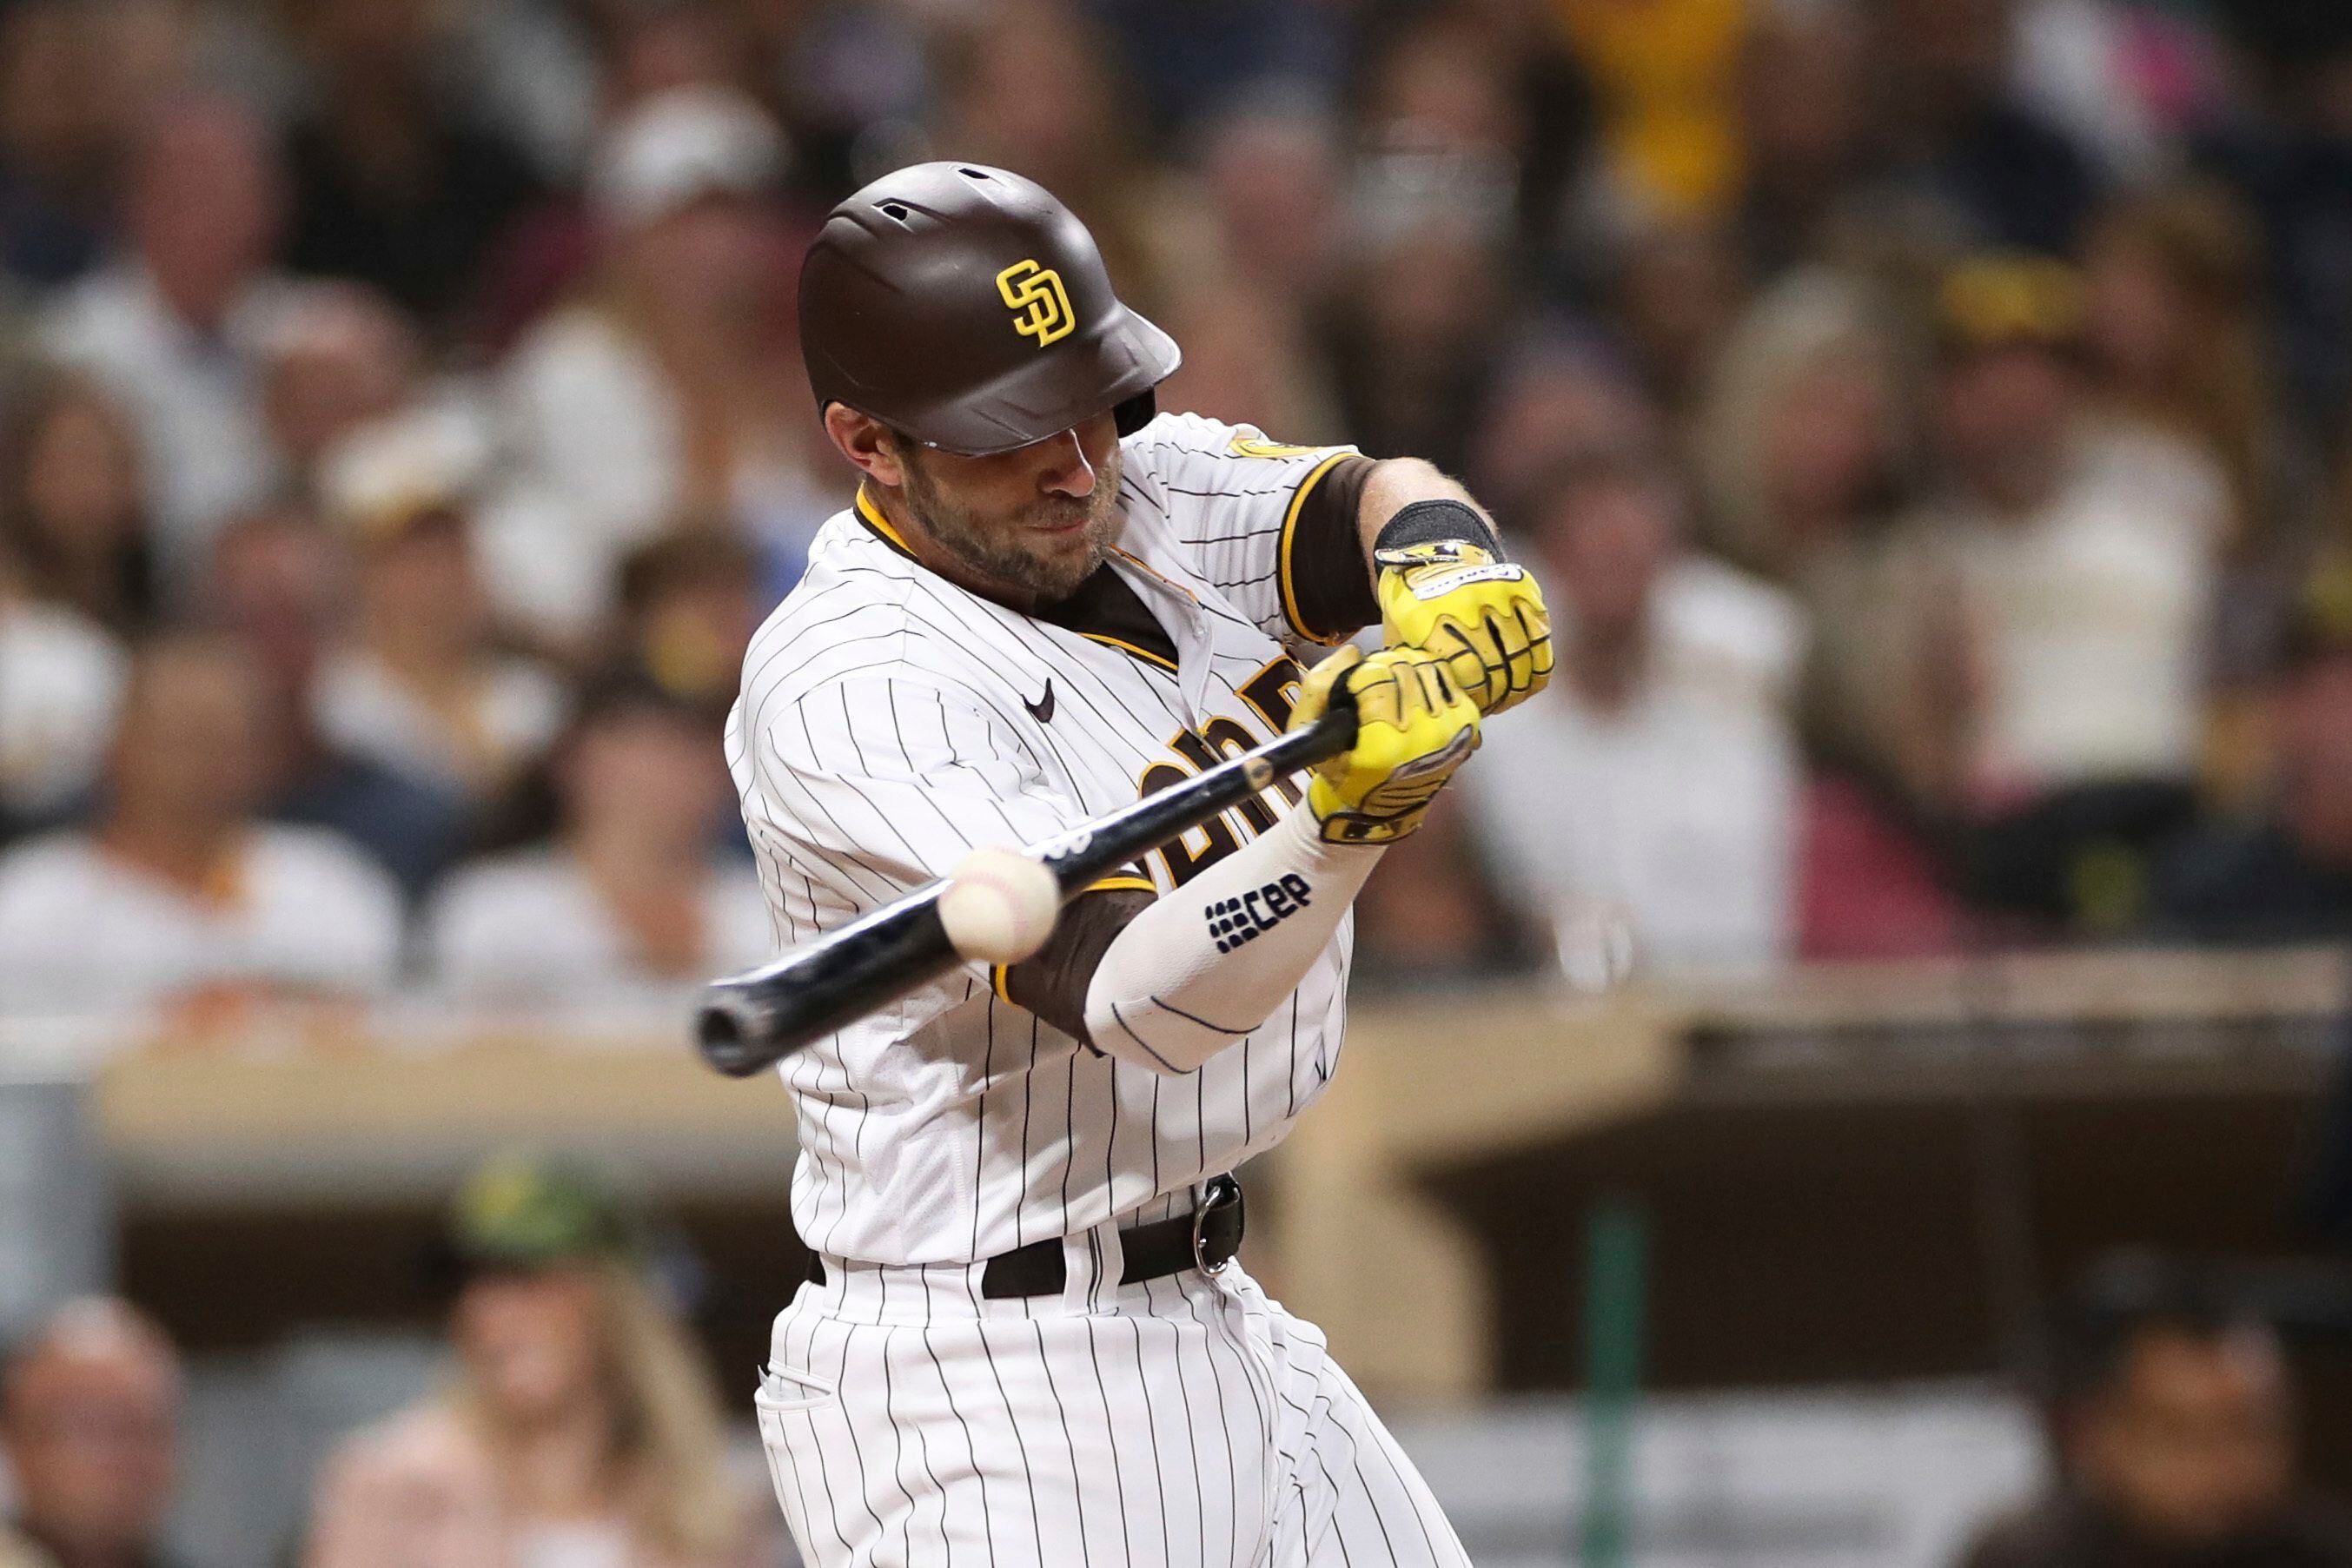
[[755, 1020]]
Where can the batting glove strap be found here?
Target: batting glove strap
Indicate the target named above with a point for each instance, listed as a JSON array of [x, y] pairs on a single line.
[[1413, 727], [1486, 617], [1439, 523]]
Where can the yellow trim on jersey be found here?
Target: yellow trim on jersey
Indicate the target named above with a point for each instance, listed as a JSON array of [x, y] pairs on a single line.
[[1289, 531], [999, 974], [1153, 572], [871, 516], [1144, 653], [1249, 441]]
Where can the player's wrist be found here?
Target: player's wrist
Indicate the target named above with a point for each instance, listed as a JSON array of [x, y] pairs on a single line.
[[1435, 523], [1325, 823]]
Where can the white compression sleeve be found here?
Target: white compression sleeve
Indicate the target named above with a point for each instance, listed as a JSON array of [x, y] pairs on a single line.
[[1205, 965]]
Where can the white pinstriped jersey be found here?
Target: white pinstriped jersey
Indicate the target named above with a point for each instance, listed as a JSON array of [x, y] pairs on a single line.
[[891, 720]]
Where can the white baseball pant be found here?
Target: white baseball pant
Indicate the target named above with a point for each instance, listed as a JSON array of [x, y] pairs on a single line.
[[1187, 1422]]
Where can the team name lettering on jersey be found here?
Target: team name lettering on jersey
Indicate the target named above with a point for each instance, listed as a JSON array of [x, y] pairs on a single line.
[[1272, 692]]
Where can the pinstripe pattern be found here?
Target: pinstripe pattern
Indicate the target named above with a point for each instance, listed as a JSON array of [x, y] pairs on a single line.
[[886, 727], [1187, 1423], [883, 732]]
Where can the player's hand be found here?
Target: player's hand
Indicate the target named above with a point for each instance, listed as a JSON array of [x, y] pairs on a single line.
[[1413, 727], [1484, 617]]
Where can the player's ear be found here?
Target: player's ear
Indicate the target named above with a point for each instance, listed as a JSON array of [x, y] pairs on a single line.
[[867, 442]]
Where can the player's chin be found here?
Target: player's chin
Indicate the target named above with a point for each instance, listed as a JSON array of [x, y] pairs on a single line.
[[1057, 576], [1075, 551]]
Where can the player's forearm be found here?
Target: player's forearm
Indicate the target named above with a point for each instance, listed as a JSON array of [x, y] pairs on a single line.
[[1202, 966], [1396, 483]]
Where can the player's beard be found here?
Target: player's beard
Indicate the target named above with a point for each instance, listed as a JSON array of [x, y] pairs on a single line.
[[1000, 549]]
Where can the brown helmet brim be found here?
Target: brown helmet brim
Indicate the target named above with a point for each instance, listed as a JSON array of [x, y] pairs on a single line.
[[1064, 387]]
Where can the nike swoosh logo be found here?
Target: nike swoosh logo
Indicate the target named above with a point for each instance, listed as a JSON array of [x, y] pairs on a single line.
[[1042, 710]]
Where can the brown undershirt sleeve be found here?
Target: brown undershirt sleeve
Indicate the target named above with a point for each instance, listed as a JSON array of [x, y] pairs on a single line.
[[1326, 586], [1052, 982]]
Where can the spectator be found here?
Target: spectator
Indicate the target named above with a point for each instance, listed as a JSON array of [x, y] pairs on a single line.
[[2176, 349], [1190, 58], [175, 327], [666, 390], [1271, 169], [1807, 445], [392, 185], [279, 584], [342, 357], [91, 1426], [688, 606], [1656, 779], [60, 677], [1804, 121], [2067, 568], [56, 141], [177, 891], [583, 1427], [73, 574], [1031, 85], [2288, 149], [1247, 282], [419, 688], [71, 517], [1246, 360], [1948, 126], [1675, 292], [1665, 72], [639, 53], [2168, 295], [1806, 438], [629, 893], [2286, 877], [2176, 1448], [1420, 309], [1561, 395]]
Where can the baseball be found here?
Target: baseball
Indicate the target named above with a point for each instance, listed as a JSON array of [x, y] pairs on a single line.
[[999, 905]]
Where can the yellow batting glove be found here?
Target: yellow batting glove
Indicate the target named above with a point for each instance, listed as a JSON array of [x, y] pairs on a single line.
[[1484, 616], [1413, 727]]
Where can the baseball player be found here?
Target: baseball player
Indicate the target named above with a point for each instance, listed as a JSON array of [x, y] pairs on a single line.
[[1023, 1339]]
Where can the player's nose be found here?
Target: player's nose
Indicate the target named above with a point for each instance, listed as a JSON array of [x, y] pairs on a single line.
[[1067, 472]]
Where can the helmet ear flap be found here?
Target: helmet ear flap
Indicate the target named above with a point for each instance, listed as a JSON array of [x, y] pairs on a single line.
[[1131, 415]]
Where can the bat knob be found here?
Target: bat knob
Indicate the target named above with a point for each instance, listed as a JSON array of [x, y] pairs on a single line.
[[730, 1029]]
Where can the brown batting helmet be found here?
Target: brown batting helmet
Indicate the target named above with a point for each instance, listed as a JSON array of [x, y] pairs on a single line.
[[966, 308]]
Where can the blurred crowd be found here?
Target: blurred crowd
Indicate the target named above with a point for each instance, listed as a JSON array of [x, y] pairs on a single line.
[[579, 1425], [1927, 416]]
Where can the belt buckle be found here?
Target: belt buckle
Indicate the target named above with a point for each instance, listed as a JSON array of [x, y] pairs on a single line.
[[1222, 1192]]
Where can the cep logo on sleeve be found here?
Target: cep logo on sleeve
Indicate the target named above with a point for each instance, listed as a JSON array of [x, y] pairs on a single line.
[[1234, 921]]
